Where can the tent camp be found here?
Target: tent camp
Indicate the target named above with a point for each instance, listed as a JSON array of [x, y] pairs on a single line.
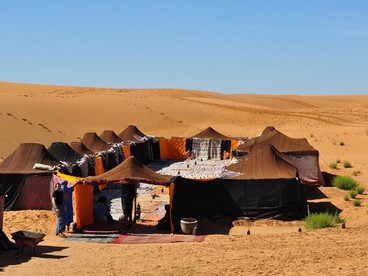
[[81, 148], [110, 137], [141, 146], [63, 152], [94, 143], [268, 186], [210, 144], [24, 186], [129, 172], [302, 154]]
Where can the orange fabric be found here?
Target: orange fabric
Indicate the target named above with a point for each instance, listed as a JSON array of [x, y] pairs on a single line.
[[83, 205], [126, 150], [171, 194], [172, 149], [99, 169], [234, 145]]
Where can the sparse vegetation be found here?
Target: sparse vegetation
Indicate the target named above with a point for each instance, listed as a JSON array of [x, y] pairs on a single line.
[[321, 220], [342, 143], [332, 166], [346, 197], [359, 189], [356, 173], [338, 161], [346, 164], [357, 202], [344, 182], [353, 193]]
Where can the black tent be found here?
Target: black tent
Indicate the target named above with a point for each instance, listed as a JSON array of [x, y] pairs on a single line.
[[268, 186]]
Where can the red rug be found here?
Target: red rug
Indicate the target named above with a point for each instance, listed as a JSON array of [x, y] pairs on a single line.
[[157, 238]]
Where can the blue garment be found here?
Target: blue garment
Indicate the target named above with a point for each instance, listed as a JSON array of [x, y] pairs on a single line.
[[68, 205], [60, 222]]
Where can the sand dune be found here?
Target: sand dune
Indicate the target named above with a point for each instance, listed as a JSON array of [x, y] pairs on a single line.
[[46, 114]]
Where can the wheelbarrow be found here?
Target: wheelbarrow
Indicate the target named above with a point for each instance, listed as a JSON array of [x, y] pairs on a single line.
[[27, 239]]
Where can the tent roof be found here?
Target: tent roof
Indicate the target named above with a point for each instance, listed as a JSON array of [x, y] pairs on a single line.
[[210, 133], [80, 148], [264, 162], [94, 142], [130, 171], [22, 160], [109, 136], [131, 133], [63, 152], [280, 141]]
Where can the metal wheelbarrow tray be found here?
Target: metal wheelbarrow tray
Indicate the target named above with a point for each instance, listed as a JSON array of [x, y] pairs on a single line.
[[27, 239]]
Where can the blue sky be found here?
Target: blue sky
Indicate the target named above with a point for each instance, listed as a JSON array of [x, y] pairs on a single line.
[[309, 47]]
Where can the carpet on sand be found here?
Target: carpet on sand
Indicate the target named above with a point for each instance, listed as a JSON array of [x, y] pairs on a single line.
[[102, 228], [157, 238]]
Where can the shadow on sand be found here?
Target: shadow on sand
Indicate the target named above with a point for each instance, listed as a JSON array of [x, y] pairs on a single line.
[[13, 257]]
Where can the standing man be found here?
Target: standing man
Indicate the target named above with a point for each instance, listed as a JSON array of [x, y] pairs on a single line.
[[58, 206]]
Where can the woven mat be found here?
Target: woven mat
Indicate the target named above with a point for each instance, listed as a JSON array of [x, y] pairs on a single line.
[[157, 238]]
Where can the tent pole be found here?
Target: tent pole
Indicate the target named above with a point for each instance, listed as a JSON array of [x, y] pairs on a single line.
[[135, 203]]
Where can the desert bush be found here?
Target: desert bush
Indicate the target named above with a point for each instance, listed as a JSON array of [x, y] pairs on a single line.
[[344, 182], [338, 161], [342, 143], [332, 166], [321, 220], [356, 173], [357, 202], [353, 193], [346, 197], [346, 164], [359, 189]]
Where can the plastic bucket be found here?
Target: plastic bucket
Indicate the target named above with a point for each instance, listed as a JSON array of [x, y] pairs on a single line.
[[187, 225]]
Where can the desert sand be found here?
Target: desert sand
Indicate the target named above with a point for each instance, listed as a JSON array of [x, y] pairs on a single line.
[[337, 126]]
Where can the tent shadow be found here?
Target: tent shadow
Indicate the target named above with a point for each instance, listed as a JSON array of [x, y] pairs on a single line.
[[216, 225], [13, 257], [314, 192], [320, 207], [328, 177]]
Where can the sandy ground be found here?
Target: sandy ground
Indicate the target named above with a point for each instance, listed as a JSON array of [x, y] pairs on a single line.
[[46, 114]]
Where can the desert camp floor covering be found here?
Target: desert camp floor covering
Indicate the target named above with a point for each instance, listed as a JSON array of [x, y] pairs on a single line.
[[144, 231]]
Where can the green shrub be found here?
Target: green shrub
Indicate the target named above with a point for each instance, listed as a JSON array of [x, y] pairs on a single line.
[[321, 220], [346, 197], [359, 189], [342, 143], [338, 161], [344, 182], [333, 166], [357, 202], [346, 164], [356, 173], [353, 194]]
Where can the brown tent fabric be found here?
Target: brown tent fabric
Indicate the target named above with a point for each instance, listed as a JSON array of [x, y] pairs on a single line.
[[94, 142], [210, 133], [80, 148], [109, 136], [281, 142], [130, 134], [264, 162], [22, 160], [130, 171], [63, 152]]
